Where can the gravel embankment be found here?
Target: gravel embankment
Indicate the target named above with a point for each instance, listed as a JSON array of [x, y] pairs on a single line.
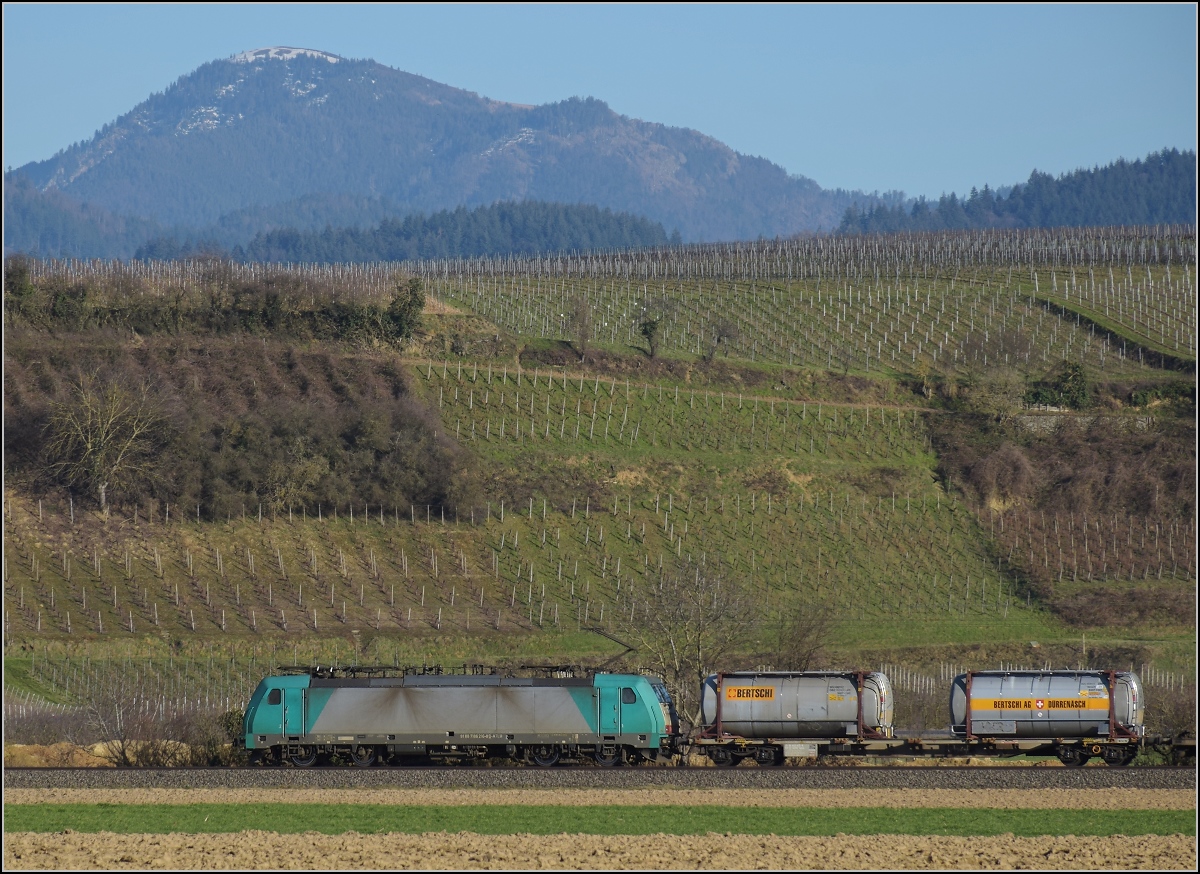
[[957, 799], [595, 778]]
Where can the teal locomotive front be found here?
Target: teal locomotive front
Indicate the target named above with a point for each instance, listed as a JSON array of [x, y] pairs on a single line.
[[608, 718]]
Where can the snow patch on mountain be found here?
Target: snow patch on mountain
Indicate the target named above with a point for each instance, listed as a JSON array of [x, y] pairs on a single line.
[[525, 135], [281, 53]]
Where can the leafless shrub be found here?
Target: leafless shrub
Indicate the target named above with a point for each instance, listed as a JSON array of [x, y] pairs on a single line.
[[45, 726], [921, 711], [804, 633], [1003, 478], [1140, 606], [724, 332], [1171, 713], [998, 393]]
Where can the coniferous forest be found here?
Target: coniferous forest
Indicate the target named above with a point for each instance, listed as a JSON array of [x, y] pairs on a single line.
[[512, 228], [1158, 190]]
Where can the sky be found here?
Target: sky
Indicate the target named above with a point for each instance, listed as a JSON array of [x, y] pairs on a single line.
[[925, 99]]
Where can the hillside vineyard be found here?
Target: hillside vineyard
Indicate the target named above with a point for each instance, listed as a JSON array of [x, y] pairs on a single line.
[[834, 421]]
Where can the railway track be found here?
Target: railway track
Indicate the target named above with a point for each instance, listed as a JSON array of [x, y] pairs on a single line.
[[809, 777]]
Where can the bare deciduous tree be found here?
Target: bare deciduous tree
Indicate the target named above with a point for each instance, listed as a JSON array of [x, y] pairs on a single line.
[[1004, 478], [103, 438], [803, 635], [580, 321], [649, 330], [290, 481], [654, 313], [998, 392], [112, 709], [723, 332], [687, 623]]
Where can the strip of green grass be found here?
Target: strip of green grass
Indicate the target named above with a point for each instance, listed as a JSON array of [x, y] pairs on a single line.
[[599, 820]]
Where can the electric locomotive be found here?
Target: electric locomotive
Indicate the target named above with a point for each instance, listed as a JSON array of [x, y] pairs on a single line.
[[370, 713]]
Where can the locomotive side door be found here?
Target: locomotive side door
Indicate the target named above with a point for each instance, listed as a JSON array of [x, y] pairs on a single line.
[[610, 710], [293, 713]]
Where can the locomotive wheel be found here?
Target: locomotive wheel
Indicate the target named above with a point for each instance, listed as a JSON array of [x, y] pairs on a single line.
[[544, 756], [1072, 757], [362, 756], [304, 757], [610, 758]]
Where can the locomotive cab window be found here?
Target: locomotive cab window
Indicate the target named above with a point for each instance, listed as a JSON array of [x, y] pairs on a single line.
[[628, 696], [275, 697]]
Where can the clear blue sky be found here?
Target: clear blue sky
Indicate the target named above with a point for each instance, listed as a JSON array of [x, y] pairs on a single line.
[[922, 98]]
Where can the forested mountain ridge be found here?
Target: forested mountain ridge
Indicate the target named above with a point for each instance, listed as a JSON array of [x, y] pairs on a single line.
[[52, 225], [251, 131], [1158, 190], [502, 228]]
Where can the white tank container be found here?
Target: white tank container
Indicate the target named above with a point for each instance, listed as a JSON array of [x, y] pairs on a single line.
[[779, 704], [1047, 704]]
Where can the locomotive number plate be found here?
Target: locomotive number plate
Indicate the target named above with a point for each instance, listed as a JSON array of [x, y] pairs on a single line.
[[750, 693]]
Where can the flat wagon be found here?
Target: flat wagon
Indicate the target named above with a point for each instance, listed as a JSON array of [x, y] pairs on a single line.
[[1075, 714], [773, 715]]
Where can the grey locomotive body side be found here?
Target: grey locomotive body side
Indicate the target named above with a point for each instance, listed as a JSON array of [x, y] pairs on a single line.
[[430, 710]]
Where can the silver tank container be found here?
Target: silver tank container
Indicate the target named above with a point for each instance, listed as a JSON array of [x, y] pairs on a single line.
[[805, 704], [1047, 704]]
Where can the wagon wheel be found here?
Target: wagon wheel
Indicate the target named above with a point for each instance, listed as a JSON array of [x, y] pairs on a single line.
[[722, 757], [607, 757], [1072, 757], [768, 756], [362, 756], [544, 756], [1117, 757], [304, 757]]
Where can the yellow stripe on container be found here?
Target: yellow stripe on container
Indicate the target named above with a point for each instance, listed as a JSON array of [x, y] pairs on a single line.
[[1032, 704]]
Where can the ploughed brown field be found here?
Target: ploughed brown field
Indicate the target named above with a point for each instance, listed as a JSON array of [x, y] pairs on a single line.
[[266, 850]]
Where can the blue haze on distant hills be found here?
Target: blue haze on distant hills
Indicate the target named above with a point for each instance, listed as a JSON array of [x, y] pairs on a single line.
[[254, 137], [310, 141]]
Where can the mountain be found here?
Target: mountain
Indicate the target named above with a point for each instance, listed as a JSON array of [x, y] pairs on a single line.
[[281, 126], [50, 224]]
